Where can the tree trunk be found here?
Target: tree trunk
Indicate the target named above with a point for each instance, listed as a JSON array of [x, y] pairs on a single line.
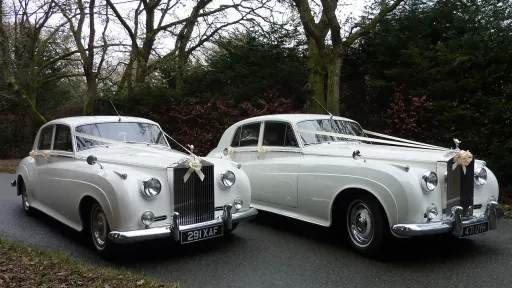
[[92, 91], [316, 79], [334, 83], [180, 70]]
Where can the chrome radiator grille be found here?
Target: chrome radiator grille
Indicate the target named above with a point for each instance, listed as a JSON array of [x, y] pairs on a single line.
[[194, 199], [460, 187]]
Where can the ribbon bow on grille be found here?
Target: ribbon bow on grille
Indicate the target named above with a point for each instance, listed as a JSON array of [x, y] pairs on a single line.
[[194, 165], [462, 158]]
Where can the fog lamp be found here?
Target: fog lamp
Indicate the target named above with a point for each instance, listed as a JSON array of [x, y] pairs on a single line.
[[238, 202], [147, 218], [431, 212]]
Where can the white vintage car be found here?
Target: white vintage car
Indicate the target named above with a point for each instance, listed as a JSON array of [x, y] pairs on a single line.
[[118, 179], [329, 171]]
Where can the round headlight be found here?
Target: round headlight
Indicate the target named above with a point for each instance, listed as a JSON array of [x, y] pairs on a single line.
[[480, 176], [227, 178], [429, 181], [238, 202], [151, 187], [147, 218]]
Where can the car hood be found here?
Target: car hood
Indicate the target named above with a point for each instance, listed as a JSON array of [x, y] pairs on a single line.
[[378, 152], [140, 156]]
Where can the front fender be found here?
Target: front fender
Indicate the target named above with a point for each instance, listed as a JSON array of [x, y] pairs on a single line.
[[392, 185]]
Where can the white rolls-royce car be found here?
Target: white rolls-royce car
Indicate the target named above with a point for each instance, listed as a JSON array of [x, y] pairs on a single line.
[[329, 171], [118, 179]]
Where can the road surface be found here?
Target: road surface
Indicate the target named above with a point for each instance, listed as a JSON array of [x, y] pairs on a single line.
[[273, 251]]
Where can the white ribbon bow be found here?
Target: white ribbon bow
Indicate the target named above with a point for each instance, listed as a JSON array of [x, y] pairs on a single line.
[[194, 165], [462, 158], [262, 149]]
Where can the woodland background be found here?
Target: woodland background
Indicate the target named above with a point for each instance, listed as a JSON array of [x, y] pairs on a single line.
[[426, 70]]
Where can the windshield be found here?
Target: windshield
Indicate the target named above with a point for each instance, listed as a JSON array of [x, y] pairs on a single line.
[[130, 132], [328, 125]]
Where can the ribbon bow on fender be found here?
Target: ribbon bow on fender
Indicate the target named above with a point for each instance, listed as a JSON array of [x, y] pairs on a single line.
[[462, 158], [194, 165]]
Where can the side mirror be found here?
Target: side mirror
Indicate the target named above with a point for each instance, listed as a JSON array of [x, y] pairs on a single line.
[[91, 160], [356, 154]]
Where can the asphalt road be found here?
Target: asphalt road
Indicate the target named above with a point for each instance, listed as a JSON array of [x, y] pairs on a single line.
[[273, 251]]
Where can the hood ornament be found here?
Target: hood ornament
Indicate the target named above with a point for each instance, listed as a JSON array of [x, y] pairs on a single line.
[[457, 142], [191, 148]]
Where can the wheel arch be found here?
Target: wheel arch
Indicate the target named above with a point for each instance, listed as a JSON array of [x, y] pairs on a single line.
[[19, 183], [386, 203], [84, 207]]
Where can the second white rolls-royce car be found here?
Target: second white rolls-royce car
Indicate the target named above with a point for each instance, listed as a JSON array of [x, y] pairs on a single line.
[[329, 171]]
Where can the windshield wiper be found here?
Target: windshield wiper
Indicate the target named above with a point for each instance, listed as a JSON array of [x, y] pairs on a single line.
[[137, 142]]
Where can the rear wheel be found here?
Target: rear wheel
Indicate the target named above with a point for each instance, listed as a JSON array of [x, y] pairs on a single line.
[[99, 230]]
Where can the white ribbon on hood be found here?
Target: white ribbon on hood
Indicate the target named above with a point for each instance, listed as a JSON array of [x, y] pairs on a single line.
[[367, 139], [193, 162]]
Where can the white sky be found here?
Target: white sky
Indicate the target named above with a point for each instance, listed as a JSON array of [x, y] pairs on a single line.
[[165, 41]]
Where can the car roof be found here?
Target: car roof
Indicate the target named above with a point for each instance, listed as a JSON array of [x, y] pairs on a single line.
[[294, 118], [83, 120]]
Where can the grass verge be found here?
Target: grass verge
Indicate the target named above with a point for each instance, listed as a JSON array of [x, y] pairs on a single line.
[[8, 169], [506, 205], [23, 265]]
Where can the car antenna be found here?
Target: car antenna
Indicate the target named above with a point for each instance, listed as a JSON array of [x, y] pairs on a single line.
[[324, 108], [115, 109]]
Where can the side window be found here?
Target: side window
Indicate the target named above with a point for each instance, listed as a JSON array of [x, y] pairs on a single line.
[[45, 139], [247, 135], [250, 135], [63, 139], [236, 139], [279, 134]]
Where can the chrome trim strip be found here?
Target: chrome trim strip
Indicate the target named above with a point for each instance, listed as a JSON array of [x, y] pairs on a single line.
[[453, 224], [228, 219]]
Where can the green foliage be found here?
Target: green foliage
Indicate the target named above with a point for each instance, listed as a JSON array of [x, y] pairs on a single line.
[[244, 66], [456, 54]]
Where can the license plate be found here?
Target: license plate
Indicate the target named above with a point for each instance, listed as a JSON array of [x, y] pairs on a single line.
[[475, 229], [201, 233]]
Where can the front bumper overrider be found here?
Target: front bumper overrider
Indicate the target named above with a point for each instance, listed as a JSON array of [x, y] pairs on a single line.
[[228, 218], [453, 224]]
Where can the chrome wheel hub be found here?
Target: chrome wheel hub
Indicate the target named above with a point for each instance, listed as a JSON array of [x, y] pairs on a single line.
[[25, 200], [360, 223], [99, 227]]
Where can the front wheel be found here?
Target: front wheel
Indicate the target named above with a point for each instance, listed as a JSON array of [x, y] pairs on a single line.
[[366, 225], [24, 199], [99, 230]]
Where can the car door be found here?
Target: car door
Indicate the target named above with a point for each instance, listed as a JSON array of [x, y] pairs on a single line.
[[42, 181], [274, 174], [62, 172], [245, 142]]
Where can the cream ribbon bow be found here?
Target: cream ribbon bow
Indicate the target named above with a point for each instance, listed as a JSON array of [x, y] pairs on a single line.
[[194, 165], [462, 158], [231, 151]]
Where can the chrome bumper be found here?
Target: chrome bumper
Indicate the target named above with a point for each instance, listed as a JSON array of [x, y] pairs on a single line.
[[453, 224], [173, 230]]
